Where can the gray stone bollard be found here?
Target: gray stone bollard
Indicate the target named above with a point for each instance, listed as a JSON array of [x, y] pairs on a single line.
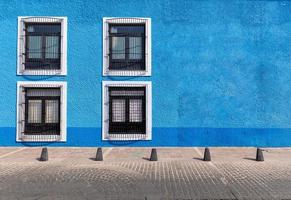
[[207, 156], [99, 155], [44, 155], [154, 156], [259, 156]]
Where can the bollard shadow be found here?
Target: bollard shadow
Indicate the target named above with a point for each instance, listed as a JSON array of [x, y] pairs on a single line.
[[43, 161], [148, 159], [252, 159], [195, 158], [94, 159]]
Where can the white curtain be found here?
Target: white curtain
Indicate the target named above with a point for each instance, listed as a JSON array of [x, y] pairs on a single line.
[[34, 111], [118, 110], [51, 111], [51, 106], [135, 110]]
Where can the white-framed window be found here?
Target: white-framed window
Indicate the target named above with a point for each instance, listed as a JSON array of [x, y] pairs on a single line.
[[41, 111], [127, 110], [126, 46], [42, 45]]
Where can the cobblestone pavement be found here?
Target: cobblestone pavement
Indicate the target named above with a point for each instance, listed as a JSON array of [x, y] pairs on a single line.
[[126, 173]]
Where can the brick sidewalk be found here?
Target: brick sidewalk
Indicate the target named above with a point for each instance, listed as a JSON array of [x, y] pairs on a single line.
[[126, 173]]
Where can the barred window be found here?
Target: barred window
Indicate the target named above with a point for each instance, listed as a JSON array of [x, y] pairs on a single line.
[[41, 111], [42, 45], [127, 46], [127, 110]]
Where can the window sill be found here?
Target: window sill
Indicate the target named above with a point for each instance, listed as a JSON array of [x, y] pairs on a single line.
[[126, 73], [126, 137], [41, 138], [42, 72]]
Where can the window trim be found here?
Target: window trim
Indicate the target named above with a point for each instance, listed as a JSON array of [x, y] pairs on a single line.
[[105, 108], [148, 58], [63, 110], [20, 43]]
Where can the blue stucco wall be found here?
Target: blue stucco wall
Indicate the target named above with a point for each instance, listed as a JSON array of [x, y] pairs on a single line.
[[221, 70]]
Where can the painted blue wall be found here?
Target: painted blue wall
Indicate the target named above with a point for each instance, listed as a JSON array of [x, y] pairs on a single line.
[[221, 70]]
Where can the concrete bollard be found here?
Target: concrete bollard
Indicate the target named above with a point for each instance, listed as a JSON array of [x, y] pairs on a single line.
[[207, 156], [154, 156], [259, 156], [99, 155], [44, 155]]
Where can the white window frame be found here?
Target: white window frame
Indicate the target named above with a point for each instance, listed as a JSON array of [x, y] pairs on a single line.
[[105, 109], [21, 45], [20, 111], [148, 48]]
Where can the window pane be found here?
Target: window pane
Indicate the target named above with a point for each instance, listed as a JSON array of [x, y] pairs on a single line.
[[135, 48], [118, 47], [132, 92], [52, 47], [118, 110], [34, 111], [127, 29], [43, 28], [37, 92], [135, 110], [34, 46], [52, 111]]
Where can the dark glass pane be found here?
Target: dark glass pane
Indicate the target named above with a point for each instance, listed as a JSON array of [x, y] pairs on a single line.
[[127, 29], [135, 48], [43, 46], [43, 28], [34, 47], [127, 47], [118, 47], [52, 47]]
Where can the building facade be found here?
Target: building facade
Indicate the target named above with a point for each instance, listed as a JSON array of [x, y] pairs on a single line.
[[145, 73]]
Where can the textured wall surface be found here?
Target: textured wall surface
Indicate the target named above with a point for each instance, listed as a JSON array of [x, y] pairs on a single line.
[[221, 70]]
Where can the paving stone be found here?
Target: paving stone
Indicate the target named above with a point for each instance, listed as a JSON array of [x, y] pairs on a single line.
[[179, 174]]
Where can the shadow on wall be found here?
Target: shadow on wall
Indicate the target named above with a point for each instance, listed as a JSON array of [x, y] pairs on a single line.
[[37, 144], [39, 77]]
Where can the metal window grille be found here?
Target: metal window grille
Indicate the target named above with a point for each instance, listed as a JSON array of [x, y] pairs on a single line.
[[127, 46], [42, 111], [127, 110], [42, 46]]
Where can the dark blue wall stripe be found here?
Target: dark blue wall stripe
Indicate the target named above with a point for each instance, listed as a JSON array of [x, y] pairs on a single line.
[[244, 137]]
